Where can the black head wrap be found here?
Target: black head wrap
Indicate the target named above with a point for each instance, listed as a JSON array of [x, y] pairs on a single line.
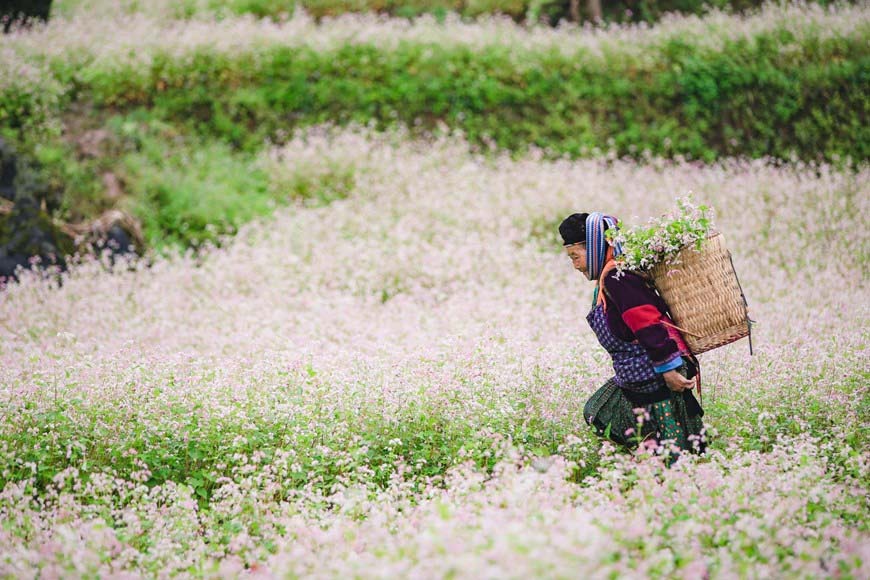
[[573, 229]]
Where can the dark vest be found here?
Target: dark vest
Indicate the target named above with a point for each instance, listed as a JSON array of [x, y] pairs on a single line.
[[632, 365]]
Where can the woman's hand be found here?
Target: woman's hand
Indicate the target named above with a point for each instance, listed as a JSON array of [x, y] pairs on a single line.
[[677, 382]]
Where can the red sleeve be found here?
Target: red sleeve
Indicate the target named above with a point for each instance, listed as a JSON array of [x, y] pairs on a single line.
[[636, 303]]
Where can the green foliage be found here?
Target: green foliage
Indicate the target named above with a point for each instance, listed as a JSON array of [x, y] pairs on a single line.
[[661, 239], [187, 190], [749, 98], [195, 447], [188, 193], [259, 8], [76, 180], [315, 185]]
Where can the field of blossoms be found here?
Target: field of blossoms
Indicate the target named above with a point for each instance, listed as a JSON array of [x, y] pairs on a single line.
[[392, 385]]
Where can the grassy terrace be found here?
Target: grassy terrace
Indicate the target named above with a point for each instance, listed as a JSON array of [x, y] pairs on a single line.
[[188, 108]]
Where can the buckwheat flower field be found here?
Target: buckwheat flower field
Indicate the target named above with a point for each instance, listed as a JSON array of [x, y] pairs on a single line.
[[392, 385]]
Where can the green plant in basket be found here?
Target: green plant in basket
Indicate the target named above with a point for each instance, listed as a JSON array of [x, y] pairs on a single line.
[[662, 238]]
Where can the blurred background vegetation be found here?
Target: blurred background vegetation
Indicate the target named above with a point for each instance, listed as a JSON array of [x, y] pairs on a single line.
[[169, 156], [550, 11]]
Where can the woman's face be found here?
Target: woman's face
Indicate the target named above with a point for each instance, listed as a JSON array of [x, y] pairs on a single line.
[[577, 253]]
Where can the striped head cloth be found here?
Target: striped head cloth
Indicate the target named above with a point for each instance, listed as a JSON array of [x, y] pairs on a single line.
[[596, 244]]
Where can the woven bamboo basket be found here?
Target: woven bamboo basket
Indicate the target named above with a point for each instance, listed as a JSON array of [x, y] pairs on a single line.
[[704, 296]]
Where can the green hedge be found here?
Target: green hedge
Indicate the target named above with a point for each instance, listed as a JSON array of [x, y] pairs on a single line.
[[747, 98], [796, 88]]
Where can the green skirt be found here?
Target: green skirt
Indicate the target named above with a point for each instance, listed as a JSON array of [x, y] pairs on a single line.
[[676, 419], [673, 422]]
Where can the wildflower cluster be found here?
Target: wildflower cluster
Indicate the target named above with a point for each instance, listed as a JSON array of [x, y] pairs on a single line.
[[662, 238]]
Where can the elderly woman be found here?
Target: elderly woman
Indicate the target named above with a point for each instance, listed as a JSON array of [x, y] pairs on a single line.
[[651, 362]]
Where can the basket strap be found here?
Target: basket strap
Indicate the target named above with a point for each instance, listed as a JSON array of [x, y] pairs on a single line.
[[749, 321], [602, 291], [666, 323]]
